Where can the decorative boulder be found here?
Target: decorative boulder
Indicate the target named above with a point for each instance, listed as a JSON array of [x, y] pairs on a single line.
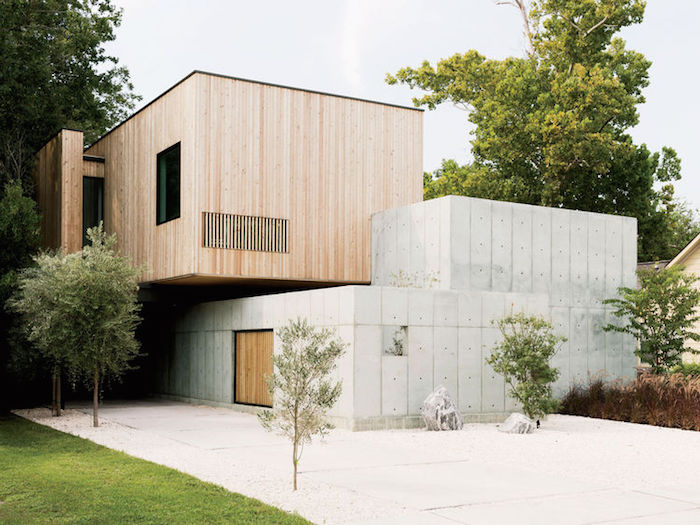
[[517, 424], [440, 412]]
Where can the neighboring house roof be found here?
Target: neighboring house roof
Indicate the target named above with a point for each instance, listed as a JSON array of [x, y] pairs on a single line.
[[685, 252], [659, 265]]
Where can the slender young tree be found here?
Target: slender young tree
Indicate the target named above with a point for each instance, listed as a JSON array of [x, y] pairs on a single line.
[[104, 302], [301, 387], [661, 314]]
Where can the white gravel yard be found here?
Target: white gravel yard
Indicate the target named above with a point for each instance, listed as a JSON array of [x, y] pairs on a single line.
[[573, 470]]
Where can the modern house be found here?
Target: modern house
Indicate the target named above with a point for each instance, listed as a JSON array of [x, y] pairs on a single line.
[[249, 204]]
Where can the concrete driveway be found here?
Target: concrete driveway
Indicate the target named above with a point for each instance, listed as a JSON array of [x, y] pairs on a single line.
[[572, 471]]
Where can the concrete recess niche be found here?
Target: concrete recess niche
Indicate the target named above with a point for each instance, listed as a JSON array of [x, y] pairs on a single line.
[[442, 270]]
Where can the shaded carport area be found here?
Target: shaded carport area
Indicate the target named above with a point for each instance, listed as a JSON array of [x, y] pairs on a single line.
[[573, 470]]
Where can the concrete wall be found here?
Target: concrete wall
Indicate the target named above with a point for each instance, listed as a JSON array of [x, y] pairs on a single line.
[[448, 334], [575, 258], [442, 271]]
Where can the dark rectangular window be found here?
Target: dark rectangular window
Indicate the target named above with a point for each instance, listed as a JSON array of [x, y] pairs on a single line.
[[168, 184], [93, 203]]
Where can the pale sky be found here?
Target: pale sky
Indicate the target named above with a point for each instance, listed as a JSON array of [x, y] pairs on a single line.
[[347, 47]]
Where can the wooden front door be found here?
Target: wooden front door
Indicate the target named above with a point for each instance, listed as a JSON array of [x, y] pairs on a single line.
[[253, 364]]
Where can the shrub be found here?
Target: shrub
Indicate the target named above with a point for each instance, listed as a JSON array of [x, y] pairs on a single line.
[[662, 400], [522, 358], [687, 369]]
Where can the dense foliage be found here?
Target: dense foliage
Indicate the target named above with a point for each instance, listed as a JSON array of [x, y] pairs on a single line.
[[661, 314], [56, 73], [662, 400], [19, 239], [687, 369], [80, 311], [301, 386], [522, 358], [551, 128]]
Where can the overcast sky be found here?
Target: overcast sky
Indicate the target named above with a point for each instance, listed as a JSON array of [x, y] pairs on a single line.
[[347, 47]]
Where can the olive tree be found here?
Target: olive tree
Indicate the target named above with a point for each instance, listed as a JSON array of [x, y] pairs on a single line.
[[81, 311], [301, 386], [39, 300], [661, 314], [523, 356]]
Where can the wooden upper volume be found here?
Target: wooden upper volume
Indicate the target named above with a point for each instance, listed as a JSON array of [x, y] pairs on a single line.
[[275, 183]]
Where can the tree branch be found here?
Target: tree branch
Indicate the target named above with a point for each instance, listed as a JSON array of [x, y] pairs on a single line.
[[605, 19], [521, 5], [605, 124]]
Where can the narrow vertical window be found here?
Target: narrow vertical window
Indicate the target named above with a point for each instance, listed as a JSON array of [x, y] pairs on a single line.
[[93, 203], [168, 184]]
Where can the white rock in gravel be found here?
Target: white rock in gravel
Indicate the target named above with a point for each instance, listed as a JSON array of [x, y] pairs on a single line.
[[440, 412], [517, 424]]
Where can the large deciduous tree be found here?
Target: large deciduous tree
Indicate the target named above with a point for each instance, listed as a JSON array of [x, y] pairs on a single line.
[[56, 73], [551, 128]]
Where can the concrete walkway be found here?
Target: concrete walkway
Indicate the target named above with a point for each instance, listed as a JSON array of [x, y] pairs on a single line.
[[572, 471]]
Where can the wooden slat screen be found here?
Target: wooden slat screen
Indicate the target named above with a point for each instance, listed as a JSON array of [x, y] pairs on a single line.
[[244, 232]]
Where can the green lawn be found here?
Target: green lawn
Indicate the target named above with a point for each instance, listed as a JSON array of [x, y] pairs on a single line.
[[51, 477]]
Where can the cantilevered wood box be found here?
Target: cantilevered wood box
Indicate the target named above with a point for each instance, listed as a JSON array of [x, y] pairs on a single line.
[[277, 184]]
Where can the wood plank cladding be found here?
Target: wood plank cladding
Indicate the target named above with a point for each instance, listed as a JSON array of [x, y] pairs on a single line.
[[324, 163], [129, 151], [243, 232], [59, 188], [253, 364]]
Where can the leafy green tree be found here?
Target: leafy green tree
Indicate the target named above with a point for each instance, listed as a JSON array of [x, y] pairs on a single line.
[[19, 238], [46, 320], [80, 311], [661, 314], [56, 73], [301, 387], [522, 358], [551, 128]]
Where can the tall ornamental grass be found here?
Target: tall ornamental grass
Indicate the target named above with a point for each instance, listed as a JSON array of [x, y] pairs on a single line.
[[654, 399]]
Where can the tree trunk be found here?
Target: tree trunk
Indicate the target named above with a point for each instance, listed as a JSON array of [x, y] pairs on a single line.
[[58, 394], [95, 397], [53, 394], [296, 445], [294, 461]]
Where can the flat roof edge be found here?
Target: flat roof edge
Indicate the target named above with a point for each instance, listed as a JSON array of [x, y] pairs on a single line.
[[240, 79]]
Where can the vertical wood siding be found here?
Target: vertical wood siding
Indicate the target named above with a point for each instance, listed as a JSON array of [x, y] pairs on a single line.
[[322, 163], [253, 364]]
